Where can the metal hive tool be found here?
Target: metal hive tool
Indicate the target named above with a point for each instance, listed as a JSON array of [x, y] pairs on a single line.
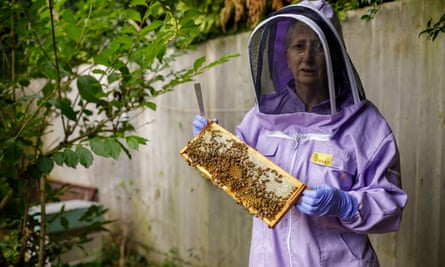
[[251, 179]]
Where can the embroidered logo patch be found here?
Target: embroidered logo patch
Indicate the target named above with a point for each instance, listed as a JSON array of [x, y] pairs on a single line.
[[322, 159]]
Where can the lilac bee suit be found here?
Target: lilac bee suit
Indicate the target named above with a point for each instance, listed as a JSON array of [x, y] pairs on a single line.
[[344, 142]]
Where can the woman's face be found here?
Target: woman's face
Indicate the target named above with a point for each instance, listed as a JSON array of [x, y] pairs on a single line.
[[305, 57]]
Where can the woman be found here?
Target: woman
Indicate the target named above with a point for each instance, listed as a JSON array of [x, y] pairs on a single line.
[[312, 119]]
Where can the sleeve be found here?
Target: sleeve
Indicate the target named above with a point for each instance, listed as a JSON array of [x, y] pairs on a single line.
[[379, 193]]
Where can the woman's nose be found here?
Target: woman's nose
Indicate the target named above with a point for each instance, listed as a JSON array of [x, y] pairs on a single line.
[[308, 55]]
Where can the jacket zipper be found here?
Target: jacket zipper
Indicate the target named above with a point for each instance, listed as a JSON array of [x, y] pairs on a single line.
[[297, 138]]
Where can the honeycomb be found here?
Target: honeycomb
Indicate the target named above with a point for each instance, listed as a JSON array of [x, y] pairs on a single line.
[[252, 180]]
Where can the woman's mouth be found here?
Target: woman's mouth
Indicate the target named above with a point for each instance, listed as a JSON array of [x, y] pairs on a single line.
[[308, 71]]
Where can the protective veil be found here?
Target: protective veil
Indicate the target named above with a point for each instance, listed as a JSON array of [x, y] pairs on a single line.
[[344, 142], [270, 72]]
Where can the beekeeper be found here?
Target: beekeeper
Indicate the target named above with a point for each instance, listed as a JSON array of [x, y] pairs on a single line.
[[312, 118]]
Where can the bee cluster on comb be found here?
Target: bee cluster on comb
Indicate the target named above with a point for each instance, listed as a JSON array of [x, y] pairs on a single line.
[[252, 180]]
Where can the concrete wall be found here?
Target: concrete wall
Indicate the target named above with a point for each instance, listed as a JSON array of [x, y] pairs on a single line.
[[165, 204]]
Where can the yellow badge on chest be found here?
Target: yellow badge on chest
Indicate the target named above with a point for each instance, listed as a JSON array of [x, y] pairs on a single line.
[[322, 159]]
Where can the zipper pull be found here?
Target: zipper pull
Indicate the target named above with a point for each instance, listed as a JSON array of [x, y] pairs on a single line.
[[297, 140]]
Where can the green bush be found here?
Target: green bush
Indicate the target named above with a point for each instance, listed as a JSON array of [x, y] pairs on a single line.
[[99, 61]]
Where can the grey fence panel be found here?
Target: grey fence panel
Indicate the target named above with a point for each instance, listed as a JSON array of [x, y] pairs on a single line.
[[404, 76]]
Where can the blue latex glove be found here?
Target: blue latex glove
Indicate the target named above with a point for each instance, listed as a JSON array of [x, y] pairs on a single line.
[[326, 200], [199, 123]]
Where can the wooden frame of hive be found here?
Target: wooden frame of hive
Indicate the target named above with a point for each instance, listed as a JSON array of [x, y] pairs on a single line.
[[251, 179]]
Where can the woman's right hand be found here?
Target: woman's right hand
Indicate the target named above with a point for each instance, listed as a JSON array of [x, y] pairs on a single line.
[[199, 123]]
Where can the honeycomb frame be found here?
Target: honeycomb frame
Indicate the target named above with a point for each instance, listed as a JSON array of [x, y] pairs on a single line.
[[263, 188]]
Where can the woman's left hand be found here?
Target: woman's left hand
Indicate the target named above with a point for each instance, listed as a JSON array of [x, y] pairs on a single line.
[[325, 200]]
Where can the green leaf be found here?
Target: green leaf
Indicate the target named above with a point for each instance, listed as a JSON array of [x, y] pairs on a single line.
[[366, 17], [99, 147], [115, 148], [103, 58], [154, 9], [85, 157], [134, 3], [123, 40], [11, 173], [70, 158], [45, 164], [105, 147], [129, 30], [49, 71], [113, 77], [99, 71], [13, 151], [133, 15], [64, 222], [48, 89], [125, 150], [73, 31], [89, 88], [189, 16], [198, 63], [34, 171], [134, 141], [65, 107], [31, 97], [151, 27], [58, 158], [150, 105], [24, 81]]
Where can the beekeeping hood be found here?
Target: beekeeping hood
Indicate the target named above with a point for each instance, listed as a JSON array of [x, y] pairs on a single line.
[[270, 72]]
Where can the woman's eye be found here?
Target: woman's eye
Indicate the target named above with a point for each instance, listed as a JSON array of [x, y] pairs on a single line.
[[299, 47], [318, 47]]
